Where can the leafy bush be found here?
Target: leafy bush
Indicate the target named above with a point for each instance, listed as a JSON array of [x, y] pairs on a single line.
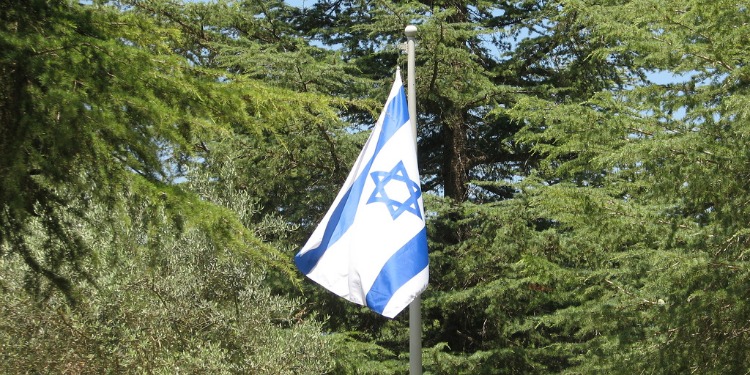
[[160, 301]]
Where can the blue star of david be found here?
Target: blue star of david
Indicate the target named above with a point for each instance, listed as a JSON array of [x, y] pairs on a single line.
[[396, 175]]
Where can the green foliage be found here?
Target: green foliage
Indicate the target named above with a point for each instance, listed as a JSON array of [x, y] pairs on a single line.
[[359, 355], [100, 99], [160, 163], [605, 230], [187, 305], [103, 110], [92, 103], [654, 171]]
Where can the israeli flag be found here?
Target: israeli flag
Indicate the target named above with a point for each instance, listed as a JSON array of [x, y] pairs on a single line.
[[371, 247]]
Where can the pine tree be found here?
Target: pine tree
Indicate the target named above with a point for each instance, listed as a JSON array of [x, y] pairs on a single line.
[[476, 60], [93, 103], [111, 194], [653, 189]]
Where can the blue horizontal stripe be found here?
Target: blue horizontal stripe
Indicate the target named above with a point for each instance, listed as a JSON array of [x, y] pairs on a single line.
[[406, 263], [396, 115]]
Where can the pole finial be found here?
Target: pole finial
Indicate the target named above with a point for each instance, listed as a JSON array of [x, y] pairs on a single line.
[[410, 31]]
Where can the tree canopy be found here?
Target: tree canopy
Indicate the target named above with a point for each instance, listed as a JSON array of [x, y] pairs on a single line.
[[583, 163]]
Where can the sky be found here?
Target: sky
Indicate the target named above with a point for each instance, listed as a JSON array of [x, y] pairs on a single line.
[[301, 3]]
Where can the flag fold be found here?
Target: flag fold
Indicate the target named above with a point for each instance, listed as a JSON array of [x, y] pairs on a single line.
[[371, 246]]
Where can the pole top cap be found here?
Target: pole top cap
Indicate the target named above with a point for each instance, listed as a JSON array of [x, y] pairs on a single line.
[[410, 31]]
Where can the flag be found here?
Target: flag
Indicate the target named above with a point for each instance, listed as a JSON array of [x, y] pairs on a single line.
[[371, 246]]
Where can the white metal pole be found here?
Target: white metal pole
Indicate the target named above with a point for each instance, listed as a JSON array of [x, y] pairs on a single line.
[[415, 337], [415, 308], [411, 88]]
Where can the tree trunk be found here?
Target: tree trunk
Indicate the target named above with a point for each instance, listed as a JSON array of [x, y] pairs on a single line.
[[455, 158]]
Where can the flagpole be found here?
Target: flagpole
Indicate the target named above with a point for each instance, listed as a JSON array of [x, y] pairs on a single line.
[[415, 308]]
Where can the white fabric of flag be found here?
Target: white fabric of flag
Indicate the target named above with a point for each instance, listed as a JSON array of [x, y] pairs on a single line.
[[371, 246]]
